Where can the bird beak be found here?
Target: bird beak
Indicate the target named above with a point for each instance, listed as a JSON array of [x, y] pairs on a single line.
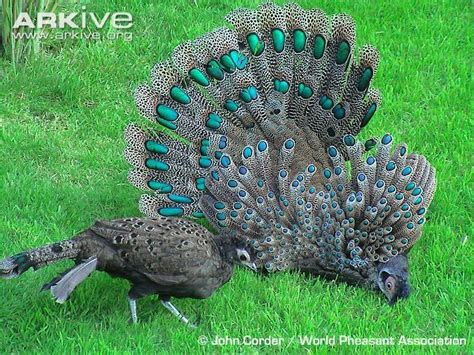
[[253, 266]]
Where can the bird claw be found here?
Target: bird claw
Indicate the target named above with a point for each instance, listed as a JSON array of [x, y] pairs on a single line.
[[192, 325], [195, 324]]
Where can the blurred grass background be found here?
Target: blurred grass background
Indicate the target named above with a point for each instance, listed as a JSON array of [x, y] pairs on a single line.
[[62, 114]]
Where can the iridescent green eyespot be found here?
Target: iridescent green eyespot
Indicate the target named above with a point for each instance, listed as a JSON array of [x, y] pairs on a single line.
[[370, 112], [364, 79], [239, 59], [171, 211], [179, 95], [305, 91], [160, 186], [319, 46], [325, 102], [299, 40], [199, 77], [343, 52], [256, 45], [339, 112], [214, 121], [228, 63], [281, 86], [166, 112], [156, 164], [180, 198], [214, 69], [231, 105], [155, 147], [278, 37]]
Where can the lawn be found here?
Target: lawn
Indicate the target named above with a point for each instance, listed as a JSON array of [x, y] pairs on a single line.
[[61, 120]]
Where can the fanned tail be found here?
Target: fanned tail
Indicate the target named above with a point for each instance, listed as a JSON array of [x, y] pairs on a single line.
[[280, 73]]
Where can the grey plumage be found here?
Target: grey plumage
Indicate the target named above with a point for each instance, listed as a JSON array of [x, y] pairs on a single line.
[[270, 110], [165, 256], [63, 288]]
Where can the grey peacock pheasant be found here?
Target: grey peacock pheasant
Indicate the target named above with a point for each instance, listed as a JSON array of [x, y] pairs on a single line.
[[165, 256], [269, 110]]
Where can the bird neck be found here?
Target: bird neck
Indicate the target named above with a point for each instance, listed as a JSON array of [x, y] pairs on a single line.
[[363, 276], [226, 248]]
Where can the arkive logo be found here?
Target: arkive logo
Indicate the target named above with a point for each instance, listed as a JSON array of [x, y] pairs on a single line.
[[117, 20]]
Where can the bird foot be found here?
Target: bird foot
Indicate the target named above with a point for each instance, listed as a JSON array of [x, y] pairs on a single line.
[[170, 307], [133, 311]]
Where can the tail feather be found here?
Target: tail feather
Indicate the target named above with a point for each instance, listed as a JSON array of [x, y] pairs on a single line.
[[47, 286], [16, 265], [64, 286]]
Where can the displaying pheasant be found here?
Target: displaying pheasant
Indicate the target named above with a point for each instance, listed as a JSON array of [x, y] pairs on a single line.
[[166, 256], [269, 111]]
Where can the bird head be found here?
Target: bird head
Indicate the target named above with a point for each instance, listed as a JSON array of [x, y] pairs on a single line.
[[392, 278], [244, 256], [242, 253]]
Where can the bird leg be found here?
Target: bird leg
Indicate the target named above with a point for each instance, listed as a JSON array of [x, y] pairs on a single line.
[[133, 309], [169, 306]]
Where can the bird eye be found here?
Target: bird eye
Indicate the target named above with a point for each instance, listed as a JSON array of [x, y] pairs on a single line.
[[389, 285], [243, 257]]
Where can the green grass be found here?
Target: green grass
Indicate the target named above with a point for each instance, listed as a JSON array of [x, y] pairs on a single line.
[[61, 121]]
